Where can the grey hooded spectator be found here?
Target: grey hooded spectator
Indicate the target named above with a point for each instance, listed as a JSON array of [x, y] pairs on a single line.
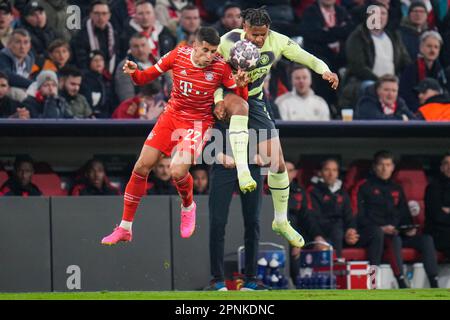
[[46, 104]]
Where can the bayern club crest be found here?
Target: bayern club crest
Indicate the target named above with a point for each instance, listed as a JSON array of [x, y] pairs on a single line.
[[209, 76]]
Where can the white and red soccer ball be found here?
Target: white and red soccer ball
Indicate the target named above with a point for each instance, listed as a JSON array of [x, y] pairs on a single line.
[[244, 55]]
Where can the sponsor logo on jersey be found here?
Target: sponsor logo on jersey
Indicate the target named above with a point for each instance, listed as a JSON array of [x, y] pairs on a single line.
[[209, 76]]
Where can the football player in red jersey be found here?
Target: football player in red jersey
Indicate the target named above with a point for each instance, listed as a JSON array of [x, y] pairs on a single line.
[[181, 130]]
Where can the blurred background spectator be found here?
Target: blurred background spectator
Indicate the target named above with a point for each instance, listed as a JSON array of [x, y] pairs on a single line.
[[160, 180], [95, 181], [201, 179], [434, 104], [17, 62], [10, 108], [58, 55], [20, 182], [229, 19], [189, 24], [437, 208], [47, 104], [6, 23], [168, 12], [425, 65], [70, 83], [97, 86], [381, 102], [147, 105], [413, 26], [302, 104]]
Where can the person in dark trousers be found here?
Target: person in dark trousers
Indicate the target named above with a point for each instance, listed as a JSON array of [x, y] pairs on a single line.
[[331, 211], [223, 184], [437, 208], [20, 183], [385, 222], [95, 181]]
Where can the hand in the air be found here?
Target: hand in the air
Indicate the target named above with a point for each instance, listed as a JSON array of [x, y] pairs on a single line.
[[331, 78], [129, 67]]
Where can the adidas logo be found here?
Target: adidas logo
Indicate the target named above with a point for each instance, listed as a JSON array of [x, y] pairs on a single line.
[[183, 72]]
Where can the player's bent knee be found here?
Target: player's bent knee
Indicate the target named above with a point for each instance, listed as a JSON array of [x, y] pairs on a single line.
[[142, 168], [235, 105], [177, 172]]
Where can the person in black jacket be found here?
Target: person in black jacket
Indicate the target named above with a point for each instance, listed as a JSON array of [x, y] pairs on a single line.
[[384, 219], [10, 108], [332, 217], [95, 182], [144, 22], [20, 183], [325, 28], [381, 102], [97, 86], [230, 18], [34, 20], [160, 181], [437, 208]]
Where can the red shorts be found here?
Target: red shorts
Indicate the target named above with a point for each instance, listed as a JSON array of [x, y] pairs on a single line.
[[170, 132]]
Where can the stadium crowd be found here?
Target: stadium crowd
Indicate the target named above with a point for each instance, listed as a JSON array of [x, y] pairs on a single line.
[[55, 66]]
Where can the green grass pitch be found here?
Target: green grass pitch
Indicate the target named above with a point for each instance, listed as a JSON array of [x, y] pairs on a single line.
[[406, 294]]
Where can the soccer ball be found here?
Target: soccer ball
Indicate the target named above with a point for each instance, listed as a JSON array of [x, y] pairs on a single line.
[[244, 55]]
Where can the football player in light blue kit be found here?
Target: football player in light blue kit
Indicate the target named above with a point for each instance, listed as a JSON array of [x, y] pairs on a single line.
[[272, 46]]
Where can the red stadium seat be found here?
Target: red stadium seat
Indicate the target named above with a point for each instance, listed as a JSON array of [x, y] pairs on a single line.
[[3, 177], [357, 171], [49, 184]]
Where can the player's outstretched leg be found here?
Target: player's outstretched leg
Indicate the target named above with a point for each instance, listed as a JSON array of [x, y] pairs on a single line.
[[135, 189], [237, 108], [278, 182], [184, 183]]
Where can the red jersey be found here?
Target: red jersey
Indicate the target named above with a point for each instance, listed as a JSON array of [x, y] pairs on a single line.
[[193, 86]]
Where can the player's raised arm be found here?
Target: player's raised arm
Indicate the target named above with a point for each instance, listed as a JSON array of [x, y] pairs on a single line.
[[148, 75], [295, 53]]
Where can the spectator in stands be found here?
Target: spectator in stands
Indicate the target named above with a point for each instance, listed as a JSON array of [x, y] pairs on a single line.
[[373, 53], [434, 104], [70, 83], [147, 105], [6, 21], [230, 19], [20, 182], [47, 104], [121, 11], [189, 24], [201, 179], [10, 108], [413, 26], [426, 64], [97, 33], [58, 55], [381, 102], [57, 16], [437, 208], [160, 182], [16, 62], [168, 12], [445, 32], [382, 211], [331, 212], [97, 86], [95, 181], [325, 27], [140, 53], [159, 38], [34, 20], [302, 104]]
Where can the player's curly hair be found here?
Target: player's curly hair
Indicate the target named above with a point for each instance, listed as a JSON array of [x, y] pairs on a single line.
[[256, 16]]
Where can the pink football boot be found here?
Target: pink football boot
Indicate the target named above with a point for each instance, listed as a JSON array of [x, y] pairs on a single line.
[[119, 234], [187, 225]]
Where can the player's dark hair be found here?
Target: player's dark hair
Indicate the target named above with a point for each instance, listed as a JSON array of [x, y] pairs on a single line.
[[58, 43], [209, 35], [4, 76], [324, 162], [22, 159], [69, 71], [256, 16], [382, 155], [189, 6], [97, 2]]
